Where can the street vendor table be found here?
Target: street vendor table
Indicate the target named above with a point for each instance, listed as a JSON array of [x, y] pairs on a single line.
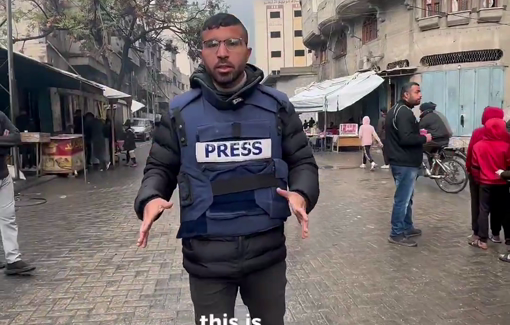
[[36, 138], [64, 154], [348, 136]]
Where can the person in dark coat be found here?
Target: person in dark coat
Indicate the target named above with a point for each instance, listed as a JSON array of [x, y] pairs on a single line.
[[108, 134], [96, 138], [87, 134], [431, 121], [130, 144], [381, 132], [233, 212]]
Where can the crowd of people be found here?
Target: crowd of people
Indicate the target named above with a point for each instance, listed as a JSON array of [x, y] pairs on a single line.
[[488, 164], [405, 141], [100, 141]]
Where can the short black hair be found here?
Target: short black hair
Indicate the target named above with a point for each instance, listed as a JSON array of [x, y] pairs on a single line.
[[224, 19], [407, 87]]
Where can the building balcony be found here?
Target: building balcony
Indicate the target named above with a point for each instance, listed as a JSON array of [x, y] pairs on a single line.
[[311, 35], [327, 20], [347, 9]]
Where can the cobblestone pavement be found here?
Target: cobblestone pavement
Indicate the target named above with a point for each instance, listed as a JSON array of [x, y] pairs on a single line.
[[90, 271]]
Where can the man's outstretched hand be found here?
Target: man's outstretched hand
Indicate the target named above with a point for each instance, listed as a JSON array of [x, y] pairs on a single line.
[[298, 206], [152, 210]]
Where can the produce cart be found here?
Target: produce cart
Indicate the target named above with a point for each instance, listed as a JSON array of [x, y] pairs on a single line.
[[64, 154]]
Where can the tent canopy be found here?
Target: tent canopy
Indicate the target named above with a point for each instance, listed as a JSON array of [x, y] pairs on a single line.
[[336, 94], [35, 74], [136, 106]]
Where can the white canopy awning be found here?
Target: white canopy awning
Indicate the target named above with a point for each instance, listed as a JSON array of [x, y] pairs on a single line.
[[136, 106], [336, 94], [108, 92]]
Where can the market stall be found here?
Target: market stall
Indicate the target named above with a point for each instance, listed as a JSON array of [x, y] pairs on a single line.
[[64, 154], [334, 96]]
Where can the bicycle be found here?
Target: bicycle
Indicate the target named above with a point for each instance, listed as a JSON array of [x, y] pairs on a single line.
[[447, 170]]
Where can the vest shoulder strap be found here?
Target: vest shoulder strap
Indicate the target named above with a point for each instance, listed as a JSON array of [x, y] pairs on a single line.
[[277, 95], [176, 106], [282, 100], [182, 100]]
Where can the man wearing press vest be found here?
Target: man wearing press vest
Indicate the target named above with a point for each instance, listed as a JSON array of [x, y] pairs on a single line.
[[238, 152]]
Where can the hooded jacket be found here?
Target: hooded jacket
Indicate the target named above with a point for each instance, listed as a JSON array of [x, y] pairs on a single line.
[[489, 113], [492, 153], [227, 257], [367, 132], [436, 125]]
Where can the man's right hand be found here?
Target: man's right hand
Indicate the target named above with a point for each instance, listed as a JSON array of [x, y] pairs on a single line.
[[429, 137], [152, 210]]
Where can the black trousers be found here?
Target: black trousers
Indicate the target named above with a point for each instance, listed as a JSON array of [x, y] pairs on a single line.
[[263, 292], [474, 191], [367, 155], [494, 201], [385, 154]]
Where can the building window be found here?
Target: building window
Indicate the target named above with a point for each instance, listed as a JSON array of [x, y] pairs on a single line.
[[299, 53], [297, 13], [310, 51], [462, 57], [491, 3], [369, 29], [276, 54], [460, 5], [432, 8], [274, 14], [341, 45], [276, 34], [298, 33]]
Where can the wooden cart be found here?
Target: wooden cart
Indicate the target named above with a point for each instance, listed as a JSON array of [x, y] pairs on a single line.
[[64, 154]]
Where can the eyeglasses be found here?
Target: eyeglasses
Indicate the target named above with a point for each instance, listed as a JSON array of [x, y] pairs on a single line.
[[232, 44]]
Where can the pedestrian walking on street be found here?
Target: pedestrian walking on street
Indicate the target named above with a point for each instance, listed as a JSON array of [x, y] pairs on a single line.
[[490, 155], [95, 129], [130, 144], [240, 156], [367, 134], [404, 145], [474, 175], [381, 131], [9, 138]]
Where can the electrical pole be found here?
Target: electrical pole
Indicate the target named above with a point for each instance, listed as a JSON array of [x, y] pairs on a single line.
[[12, 82], [154, 85]]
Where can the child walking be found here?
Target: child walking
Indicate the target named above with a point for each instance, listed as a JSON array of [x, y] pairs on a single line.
[[367, 134], [490, 155], [130, 144]]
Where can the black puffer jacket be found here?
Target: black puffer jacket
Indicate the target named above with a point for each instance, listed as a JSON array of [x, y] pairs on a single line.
[[229, 257], [434, 124]]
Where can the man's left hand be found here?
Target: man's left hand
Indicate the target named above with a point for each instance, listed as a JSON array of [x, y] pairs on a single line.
[[6, 133], [298, 206]]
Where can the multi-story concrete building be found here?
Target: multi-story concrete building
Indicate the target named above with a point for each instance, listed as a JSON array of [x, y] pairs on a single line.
[[142, 69], [456, 49], [279, 36]]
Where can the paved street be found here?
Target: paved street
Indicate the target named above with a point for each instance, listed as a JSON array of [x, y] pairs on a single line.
[[83, 241]]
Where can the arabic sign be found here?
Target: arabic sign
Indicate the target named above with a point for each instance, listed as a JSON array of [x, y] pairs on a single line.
[[268, 2], [349, 130]]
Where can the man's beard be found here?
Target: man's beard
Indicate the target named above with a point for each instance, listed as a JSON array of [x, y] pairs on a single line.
[[227, 80]]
